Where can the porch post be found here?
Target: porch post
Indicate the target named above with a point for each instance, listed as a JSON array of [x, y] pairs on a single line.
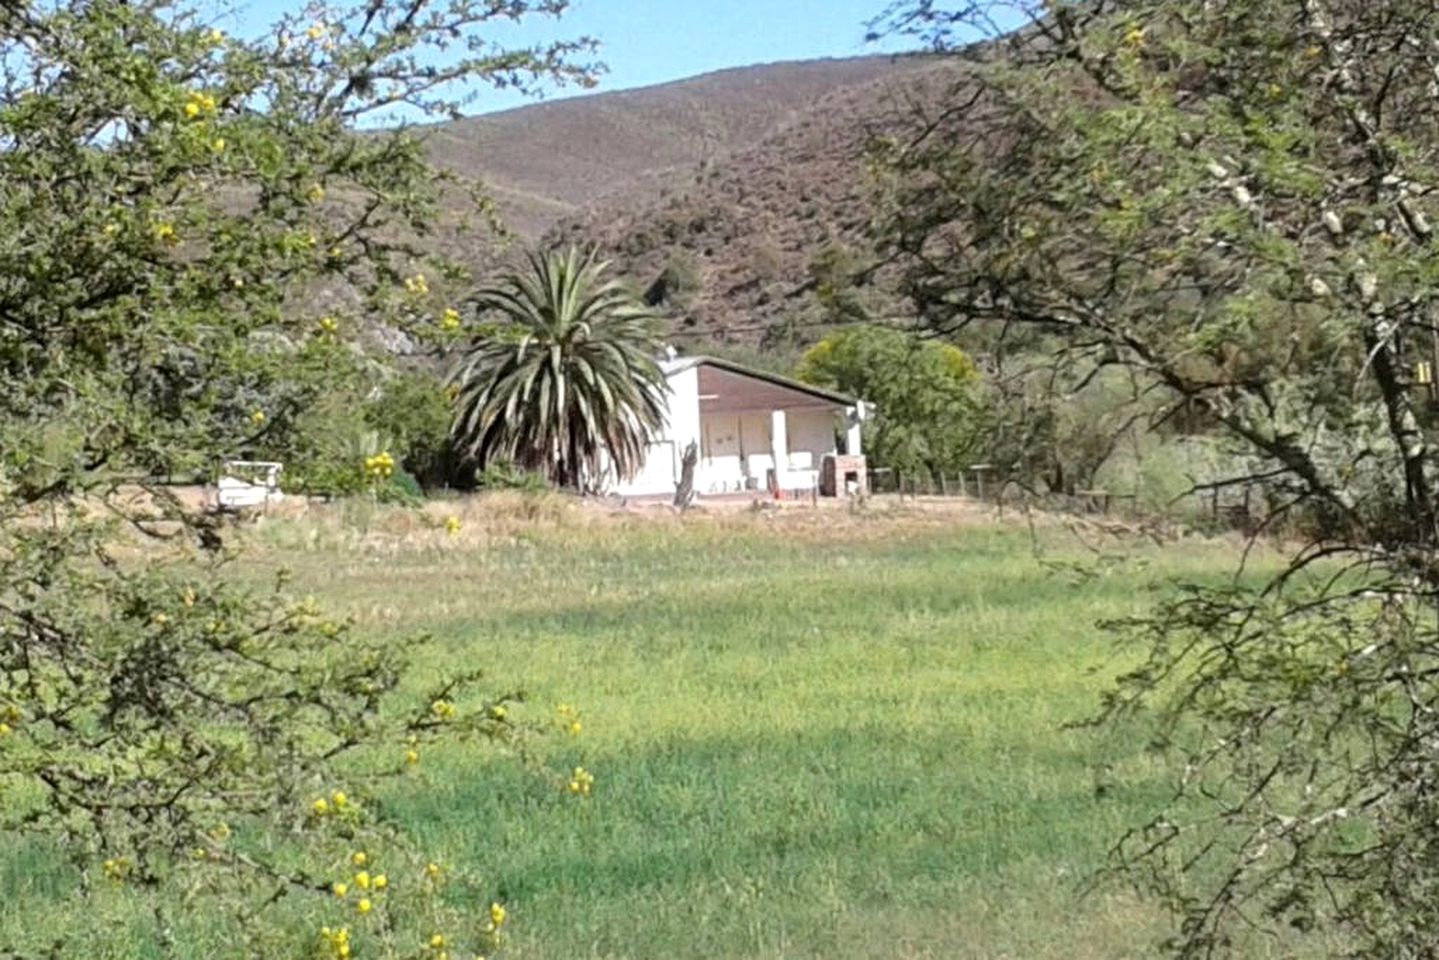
[[779, 445], [854, 417]]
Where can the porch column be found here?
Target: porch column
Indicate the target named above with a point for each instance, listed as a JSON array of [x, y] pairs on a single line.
[[854, 418], [779, 444]]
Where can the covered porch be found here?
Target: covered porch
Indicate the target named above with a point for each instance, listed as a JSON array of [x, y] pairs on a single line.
[[764, 433]]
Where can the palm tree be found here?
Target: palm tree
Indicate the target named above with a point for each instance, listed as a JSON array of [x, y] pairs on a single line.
[[568, 383]]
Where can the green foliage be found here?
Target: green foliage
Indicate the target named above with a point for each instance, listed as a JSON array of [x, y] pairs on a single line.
[[414, 410], [927, 415], [505, 475], [568, 383], [1235, 204], [190, 228]]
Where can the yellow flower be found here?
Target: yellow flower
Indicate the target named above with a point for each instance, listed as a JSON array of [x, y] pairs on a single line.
[[437, 942], [161, 619], [340, 799], [443, 709], [362, 880], [165, 233], [581, 782], [497, 914], [317, 193], [201, 853], [417, 284], [364, 906], [498, 712], [215, 37], [329, 324], [575, 728], [199, 104], [1135, 37], [110, 229], [321, 807], [358, 858], [412, 756], [450, 319], [452, 525], [381, 881], [341, 889], [5, 729], [316, 31], [257, 417], [432, 870], [218, 144]]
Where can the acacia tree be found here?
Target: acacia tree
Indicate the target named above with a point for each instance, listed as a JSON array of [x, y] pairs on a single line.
[[190, 230], [1235, 202], [565, 381]]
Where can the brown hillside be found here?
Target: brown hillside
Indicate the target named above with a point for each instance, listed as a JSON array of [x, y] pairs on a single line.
[[548, 161], [743, 242]]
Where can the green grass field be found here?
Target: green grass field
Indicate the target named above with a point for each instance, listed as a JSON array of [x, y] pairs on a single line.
[[826, 736], [843, 738]]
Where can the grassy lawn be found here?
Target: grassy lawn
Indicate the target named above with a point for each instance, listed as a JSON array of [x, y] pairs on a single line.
[[835, 738], [817, 735]]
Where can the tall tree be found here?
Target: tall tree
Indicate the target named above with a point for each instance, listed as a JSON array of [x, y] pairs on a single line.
[[566, 382], [924, 392], [191, 229], [1234, 201]]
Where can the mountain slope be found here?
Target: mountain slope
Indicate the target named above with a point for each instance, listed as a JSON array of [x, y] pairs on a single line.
[[738, 248], [550, 160]]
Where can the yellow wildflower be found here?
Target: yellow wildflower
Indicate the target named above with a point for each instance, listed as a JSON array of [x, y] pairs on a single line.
[[380, 466], [110, 229], [452, 525], [316, 31], [412, 756], [358, 858], [199, 105], [215, 37], [5, 729], [432, 870], [498, 712], [364, 906], [257, 417], [575, 728], [317, 193], [165, 233], [450, 319], [329, 325], [581, 782], [362, 880], [417, 284], [497, 914], [381, 881], [218, 144], [443, 709], [1134, 38], [437, 942], [340, 799], [321, 807], [341, 889]]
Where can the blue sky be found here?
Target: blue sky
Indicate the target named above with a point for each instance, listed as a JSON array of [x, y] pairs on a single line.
[[652, 41]]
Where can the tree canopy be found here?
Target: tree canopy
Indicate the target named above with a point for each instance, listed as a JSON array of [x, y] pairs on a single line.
[[924, 393], [1234, 202], [193, 233]]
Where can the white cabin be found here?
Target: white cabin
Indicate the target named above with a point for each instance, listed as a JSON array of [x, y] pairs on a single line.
[[755, 431]]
